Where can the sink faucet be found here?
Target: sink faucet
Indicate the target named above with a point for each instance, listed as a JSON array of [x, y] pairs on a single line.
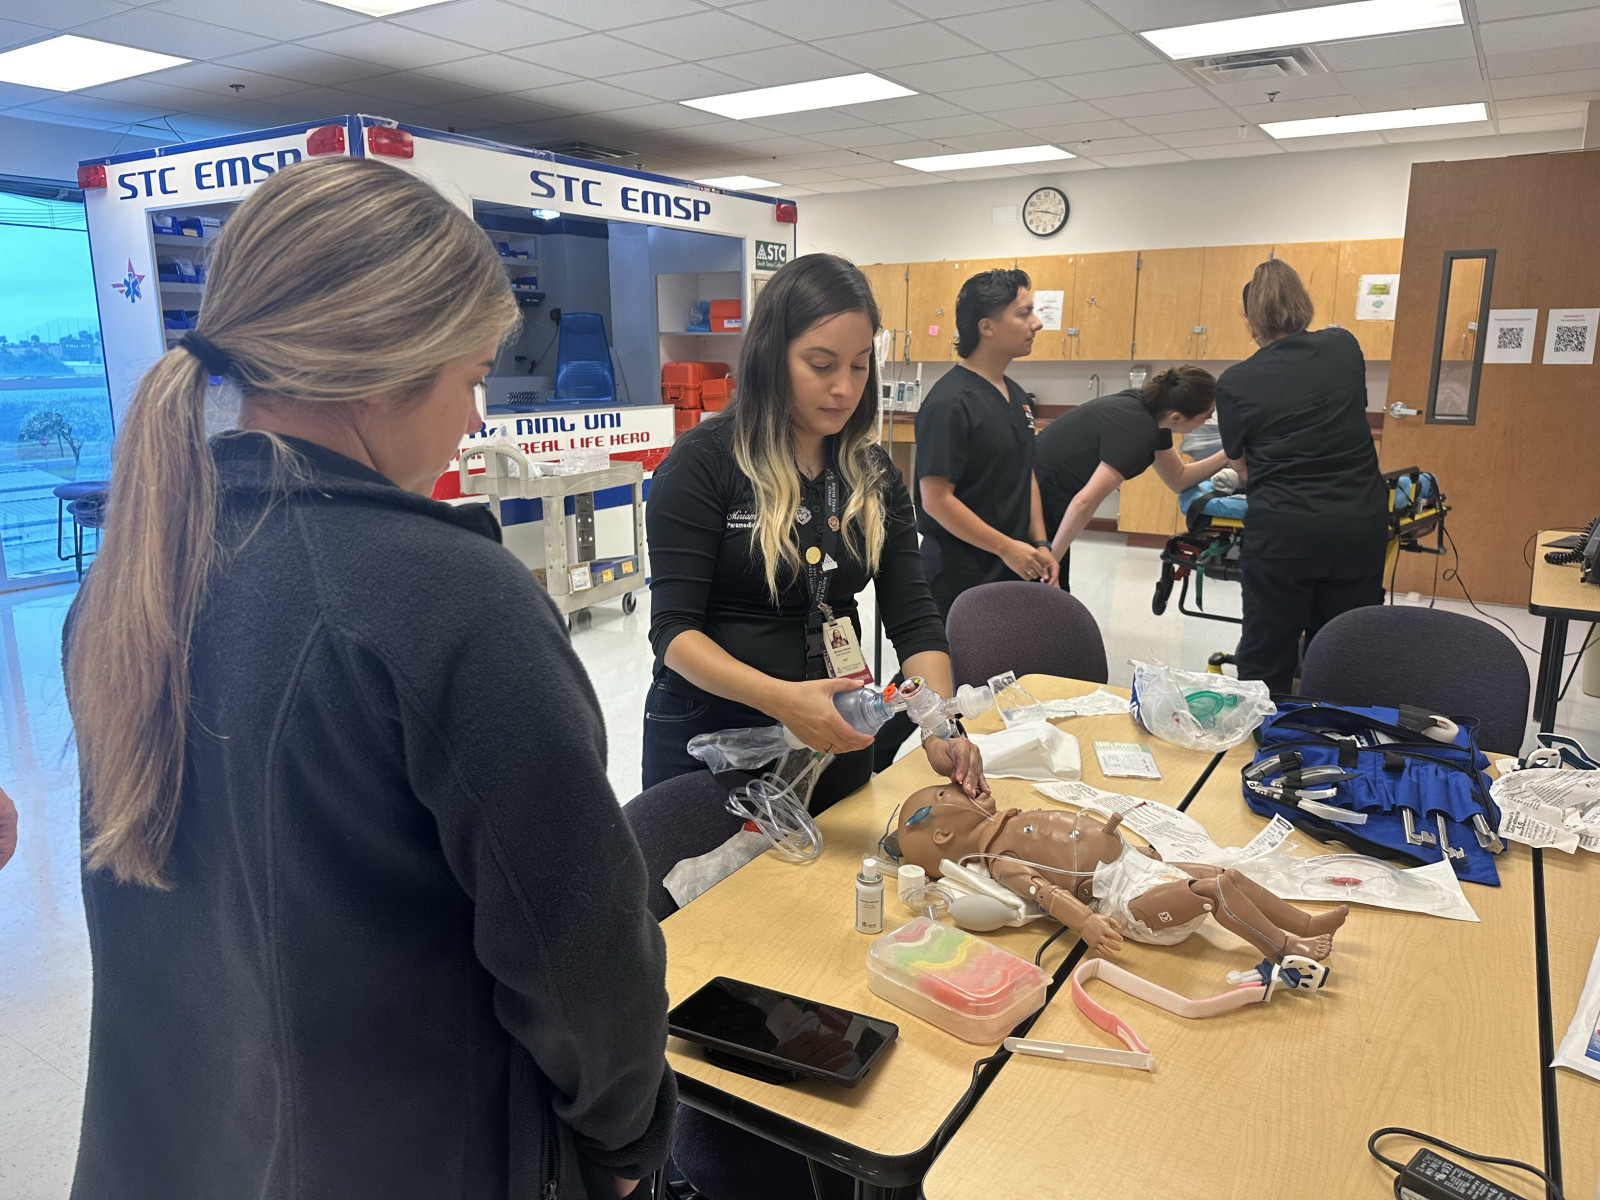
[[1095, 380]]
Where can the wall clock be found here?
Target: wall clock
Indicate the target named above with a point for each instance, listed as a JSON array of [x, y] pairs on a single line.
[[1045, 211]]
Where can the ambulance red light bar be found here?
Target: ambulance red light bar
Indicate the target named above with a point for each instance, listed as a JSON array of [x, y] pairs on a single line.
[[786, 214], [92, 176], [386, 140], [325, 139]]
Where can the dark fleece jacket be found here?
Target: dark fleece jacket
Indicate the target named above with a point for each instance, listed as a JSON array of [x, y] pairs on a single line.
[[407, 956]]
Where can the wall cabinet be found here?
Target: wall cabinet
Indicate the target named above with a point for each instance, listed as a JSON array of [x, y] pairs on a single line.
[[1375, 256], [1104, 290], [1146, 505], [1168, 322], [1317, 264], [889, 289], [1224, 335], [931, 304], [1052, 272]]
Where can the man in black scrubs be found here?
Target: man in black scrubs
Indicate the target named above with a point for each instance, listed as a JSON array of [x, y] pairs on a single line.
[[978, 503]]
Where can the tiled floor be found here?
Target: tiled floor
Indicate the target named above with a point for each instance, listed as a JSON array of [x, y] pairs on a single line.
[[44, 967]]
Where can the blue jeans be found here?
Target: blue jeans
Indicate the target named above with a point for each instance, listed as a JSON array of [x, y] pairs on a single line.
[[671, 719]]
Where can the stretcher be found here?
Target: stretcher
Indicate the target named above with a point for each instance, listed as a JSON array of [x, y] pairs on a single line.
[[1210, 548]]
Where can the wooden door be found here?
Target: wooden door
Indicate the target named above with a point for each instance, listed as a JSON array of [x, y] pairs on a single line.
[[1168, 317], [1373, 256], [888, 282], [1051, 272], [1317, 264], [1227, 270], [931, 304], [1105, 290]]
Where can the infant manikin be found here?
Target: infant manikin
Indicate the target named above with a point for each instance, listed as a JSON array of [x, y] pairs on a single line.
[[1083, 874]]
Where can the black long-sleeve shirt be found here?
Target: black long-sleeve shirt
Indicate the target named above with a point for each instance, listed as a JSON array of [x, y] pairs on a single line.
[[407, 954], [706, 576]]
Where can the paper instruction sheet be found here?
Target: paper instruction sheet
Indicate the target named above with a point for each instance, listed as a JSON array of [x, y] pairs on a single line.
[[1509, 337], [1047, 307], [1569, 336], [1376, 296]]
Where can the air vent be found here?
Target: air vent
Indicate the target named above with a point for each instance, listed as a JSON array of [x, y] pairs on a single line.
[[1257, 66], [576, 149]]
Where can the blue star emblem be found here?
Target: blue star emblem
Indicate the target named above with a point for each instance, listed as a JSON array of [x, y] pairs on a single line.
[[129, 285]]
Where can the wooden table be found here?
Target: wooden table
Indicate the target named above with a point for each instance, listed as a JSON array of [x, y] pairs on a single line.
[[1572, 921], [792, 927], [1424, 1023], [1559, 596]]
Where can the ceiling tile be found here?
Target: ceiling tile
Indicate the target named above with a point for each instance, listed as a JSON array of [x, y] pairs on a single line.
[[818, 120], [890, 151], [1185, 139], [497, 73], [279, 20], [391, 45], [1180, 122], [293, 61], [68, 14], [12, 94], [487, 24], [843, 185], [969, 70], [259, 114], [919, 43], [416, 88], [917, 179], [610, 14], [504, 109], [1417, 75], [592, 56], [1542, 62], [779, 147], [794, 63], [940, 129], [1424, 97], [823, 18], [1234, 150], [214, 79], [1295, 110], [1542, 122], [1563, 82], [850, 139], [1066, 113], [1101, 146], [1533, 106], [16, 33], [585, 96], [1307, 87], [1128, 81], [154, 93], [689, 37], [72, 104], [1033, 24], [665, 117], [1091, 54], [329, 102], [1499, 10], [1538, 33], [903, 108], [1000, 97], [1071, 167], [939, 9], [1146, 158], [167, 34], [1190, 99], [681, 81], [1068, 136], [964, 143], [1332, 141], [1440, 133], [823, 159], [1399, 49], [980, 173], [1158, 14]]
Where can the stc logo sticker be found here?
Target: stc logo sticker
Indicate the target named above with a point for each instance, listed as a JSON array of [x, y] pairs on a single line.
[[129, 284]]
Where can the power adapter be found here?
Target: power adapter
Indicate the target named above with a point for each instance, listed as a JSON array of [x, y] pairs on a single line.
[[1428, 1176]]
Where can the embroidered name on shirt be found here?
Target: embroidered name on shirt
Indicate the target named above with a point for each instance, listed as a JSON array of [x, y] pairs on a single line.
[[741, 518]]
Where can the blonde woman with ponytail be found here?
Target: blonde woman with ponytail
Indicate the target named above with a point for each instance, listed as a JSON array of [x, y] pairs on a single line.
[[740, 502], [339, 946]]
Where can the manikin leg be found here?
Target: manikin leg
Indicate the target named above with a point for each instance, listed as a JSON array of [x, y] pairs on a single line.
[[1276, 909], [1237, 911]]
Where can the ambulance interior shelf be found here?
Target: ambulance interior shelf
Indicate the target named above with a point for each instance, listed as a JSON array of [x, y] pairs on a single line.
[[182, 239]]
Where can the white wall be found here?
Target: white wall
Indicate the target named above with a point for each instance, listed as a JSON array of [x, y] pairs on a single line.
[[38, 150], [1304, 196]]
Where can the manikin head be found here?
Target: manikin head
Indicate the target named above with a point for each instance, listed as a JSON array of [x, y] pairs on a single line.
[[942, 821]]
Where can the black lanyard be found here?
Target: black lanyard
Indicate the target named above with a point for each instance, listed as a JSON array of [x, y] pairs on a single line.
[[819, 545]]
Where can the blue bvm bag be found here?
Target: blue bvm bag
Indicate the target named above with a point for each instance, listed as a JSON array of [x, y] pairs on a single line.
[[1392, 765]]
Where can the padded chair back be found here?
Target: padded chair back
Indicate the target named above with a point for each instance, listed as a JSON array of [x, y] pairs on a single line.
[[583, 359], [679, 818], [1023, 627], [1452, 664]]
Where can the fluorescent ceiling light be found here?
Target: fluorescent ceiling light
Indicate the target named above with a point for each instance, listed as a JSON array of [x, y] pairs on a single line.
[[383, 8], [801, 97], [1402, 118], [68, 62], [1331, 23], [984, 158], [737, 182]]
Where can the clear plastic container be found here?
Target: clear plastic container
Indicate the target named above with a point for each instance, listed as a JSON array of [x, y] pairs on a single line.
[[953, 980]]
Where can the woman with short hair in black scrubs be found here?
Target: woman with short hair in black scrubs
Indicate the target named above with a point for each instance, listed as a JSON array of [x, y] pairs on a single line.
[[766, 521], [1294, 425], [1082, 457]]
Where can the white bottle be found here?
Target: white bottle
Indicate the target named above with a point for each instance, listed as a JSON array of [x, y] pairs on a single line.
[[869, 897], [912, 878]]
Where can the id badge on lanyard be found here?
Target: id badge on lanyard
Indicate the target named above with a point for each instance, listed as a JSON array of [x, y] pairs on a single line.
[[828, 638]]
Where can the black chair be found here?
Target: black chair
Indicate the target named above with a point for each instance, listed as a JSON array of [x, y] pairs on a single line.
[[88, 511], [64, 494], [1448, 663], [685, 818], [1029, 628]]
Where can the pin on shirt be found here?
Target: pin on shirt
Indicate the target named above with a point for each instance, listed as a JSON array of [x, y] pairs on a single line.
[[802, 515]]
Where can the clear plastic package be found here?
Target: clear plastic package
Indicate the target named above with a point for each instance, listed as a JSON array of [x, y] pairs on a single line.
[[951, 979], [1200, 711]]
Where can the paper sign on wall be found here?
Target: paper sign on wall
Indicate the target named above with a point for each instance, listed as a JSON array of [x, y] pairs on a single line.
[[1569, 336], [1047, 307], [1376, 296], [1509, 338]]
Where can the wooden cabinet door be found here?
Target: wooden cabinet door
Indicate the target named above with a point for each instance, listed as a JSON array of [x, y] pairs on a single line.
[[1317, 264], [1052, 272], [1227, 270], [1169, 303], [1105, 288], [931, 304], [1374, 256], [888, 282], [1146, 505]]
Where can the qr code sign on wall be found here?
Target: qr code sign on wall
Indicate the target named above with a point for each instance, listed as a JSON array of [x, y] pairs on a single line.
[[1571, 339], [1510, 338]]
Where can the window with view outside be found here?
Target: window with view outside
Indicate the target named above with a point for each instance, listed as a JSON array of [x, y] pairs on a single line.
[[55, 409]]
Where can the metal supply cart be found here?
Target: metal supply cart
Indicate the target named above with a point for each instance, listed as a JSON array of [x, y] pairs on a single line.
[[510, 474]]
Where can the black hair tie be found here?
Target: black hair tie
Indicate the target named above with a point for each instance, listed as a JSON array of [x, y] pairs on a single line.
[[215, 361]]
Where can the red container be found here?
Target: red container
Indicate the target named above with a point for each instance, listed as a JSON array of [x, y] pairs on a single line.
[[683, 420], [681, 381], [727, 316], [715, 393]]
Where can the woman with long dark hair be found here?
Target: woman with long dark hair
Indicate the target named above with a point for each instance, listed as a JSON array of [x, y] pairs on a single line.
[[765, 523]]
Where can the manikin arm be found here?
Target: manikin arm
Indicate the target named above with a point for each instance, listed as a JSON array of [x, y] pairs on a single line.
[[1102, 933]]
